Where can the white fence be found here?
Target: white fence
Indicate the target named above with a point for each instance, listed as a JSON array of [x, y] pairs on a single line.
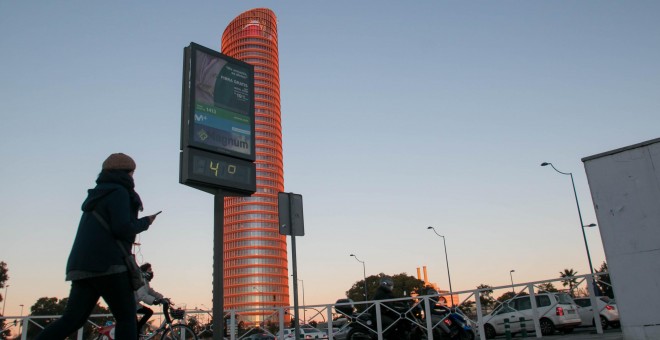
[[470, 306]]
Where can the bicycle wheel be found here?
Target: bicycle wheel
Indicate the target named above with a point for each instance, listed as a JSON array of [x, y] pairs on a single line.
[[179, 332]]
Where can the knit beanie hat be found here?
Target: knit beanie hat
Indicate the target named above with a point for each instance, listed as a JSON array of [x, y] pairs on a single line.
[[119, 161]]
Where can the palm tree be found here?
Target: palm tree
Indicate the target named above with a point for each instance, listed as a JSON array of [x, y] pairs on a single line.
[[570, 281]]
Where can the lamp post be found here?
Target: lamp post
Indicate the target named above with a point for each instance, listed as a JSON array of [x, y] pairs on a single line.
[[21, 325], [364, 273], [451, 291], [596, 289], [263, 312], [4, 298], [304, 308], [511, 276], [584, 235]]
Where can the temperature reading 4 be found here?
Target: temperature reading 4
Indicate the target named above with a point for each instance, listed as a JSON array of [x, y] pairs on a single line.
[[215, 170], [215, 166], [219, 170]]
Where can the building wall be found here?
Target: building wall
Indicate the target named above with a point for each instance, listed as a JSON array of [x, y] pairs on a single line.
[[256, 269], [625, 189]]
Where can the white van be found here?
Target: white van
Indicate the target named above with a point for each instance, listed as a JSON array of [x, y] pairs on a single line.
[[556, 311]]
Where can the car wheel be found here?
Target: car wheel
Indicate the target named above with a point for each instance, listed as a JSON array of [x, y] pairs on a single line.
[[490, 331], [358, 334], [603, 322], [547, 327]]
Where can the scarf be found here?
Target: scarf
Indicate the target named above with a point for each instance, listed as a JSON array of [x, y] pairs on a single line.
[[122, 178]]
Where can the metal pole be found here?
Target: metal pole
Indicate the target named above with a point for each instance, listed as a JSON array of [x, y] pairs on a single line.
[[511, 275], [303, 291], [364, 273], [304, 308], [584, 236], [4, 298], [263, 311], [218, 266], [451, 291], [21, 324]]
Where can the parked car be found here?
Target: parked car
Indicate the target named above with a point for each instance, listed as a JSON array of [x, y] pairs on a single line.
[[609, 314], [306, 332], [287, 333], [556, 311], [260, 336]]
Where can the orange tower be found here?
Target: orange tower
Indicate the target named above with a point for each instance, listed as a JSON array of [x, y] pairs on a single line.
[[255, 254]]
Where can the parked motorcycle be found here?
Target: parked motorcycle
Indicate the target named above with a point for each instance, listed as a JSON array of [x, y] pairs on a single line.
[[450, 324], [410, 325], [362, 326]]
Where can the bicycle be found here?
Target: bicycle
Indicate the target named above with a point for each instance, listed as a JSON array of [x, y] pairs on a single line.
[[168, 329]]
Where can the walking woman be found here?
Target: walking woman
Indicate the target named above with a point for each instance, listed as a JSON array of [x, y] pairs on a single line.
[[96, 266]]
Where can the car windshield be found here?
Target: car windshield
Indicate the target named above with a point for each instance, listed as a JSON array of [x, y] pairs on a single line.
[[564, 299]]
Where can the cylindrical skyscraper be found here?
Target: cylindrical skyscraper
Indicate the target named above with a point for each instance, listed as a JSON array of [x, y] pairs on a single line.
[[255, 254]]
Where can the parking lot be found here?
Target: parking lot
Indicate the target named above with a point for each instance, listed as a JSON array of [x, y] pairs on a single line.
[[588, 333]]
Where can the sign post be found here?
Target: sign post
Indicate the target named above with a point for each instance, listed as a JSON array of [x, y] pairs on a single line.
[[217, 150], [292, 223]]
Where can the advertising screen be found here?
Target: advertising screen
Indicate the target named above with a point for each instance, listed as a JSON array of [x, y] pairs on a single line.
[[222, 104], [217, 123]]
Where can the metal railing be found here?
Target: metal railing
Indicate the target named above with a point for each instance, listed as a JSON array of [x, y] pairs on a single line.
[[336, 323]]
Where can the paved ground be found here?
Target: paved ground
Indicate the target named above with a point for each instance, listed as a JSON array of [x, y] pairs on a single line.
[[580, 334]]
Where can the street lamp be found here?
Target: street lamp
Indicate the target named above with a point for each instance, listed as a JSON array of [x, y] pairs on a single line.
[[451, 291], [511, 275], [5, 300], [364, 273], [263, 312], [21, 325], [584, 235], [304, 308]]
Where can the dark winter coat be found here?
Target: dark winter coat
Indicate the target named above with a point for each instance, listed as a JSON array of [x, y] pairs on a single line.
[[94, 249]]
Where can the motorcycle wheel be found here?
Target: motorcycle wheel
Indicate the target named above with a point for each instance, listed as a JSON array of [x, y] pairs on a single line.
[[466, 335], [358, 334], [440, 335]]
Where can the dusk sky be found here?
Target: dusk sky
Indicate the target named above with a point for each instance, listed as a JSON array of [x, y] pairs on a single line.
[[396, 116]]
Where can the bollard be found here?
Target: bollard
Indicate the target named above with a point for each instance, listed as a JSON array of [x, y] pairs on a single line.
[[523, 329], [507, 329]]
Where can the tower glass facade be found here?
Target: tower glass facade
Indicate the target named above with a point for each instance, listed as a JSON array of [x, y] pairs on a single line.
[[255, 254]]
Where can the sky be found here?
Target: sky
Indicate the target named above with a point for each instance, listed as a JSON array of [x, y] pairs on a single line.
[[395, 116]]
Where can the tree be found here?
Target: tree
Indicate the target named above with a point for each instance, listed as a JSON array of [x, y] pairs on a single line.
[[194, 324], [506, 296], [547, 287], [486, 296], [4, 277], [54, 306], [604, 283], [292, 322], [404, 284], [569, 280], [468, 308]]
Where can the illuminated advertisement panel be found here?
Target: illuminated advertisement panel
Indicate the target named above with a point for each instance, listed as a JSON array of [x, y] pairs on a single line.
[[222, 104], [217, 123]]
